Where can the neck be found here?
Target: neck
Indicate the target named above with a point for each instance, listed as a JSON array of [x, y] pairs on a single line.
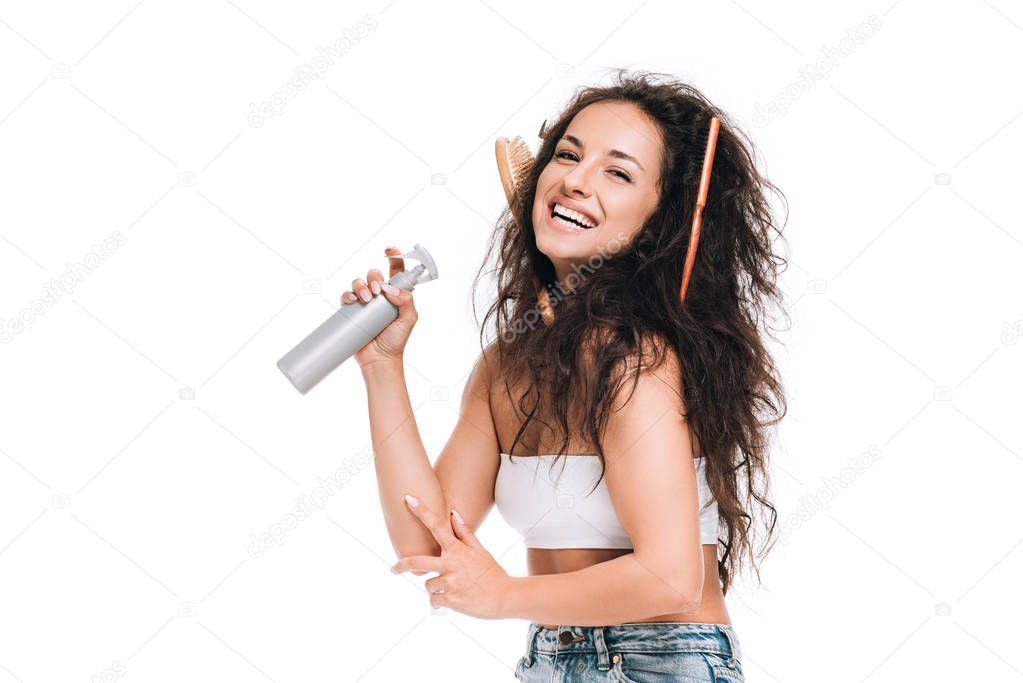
[[566, 276]]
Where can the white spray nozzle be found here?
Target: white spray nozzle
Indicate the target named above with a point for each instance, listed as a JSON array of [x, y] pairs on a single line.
[[428, 267]]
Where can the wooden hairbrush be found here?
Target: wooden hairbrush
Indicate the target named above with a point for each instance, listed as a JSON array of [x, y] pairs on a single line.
[[514, 163]]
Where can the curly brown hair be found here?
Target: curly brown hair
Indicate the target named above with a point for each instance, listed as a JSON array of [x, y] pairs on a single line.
[[629, 303]]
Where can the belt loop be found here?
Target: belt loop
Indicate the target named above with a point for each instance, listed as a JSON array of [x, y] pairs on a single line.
[[603, 661], [534, 631], [734, 651]]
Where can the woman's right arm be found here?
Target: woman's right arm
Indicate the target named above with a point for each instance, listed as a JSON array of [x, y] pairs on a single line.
[[466, 469], [402, 465]]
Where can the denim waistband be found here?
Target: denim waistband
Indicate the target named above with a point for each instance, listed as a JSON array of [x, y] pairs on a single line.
[[650, 636]]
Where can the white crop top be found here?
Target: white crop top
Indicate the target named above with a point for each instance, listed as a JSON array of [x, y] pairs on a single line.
[[552, 507]]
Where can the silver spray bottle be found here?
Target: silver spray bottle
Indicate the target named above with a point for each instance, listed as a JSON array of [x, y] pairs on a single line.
[[350, 328]]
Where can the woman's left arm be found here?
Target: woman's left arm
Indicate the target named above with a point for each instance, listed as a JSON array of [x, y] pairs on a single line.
[[651, 479], [617, 591]]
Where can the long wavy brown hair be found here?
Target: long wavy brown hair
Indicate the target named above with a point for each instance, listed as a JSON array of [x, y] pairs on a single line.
[[629, 304]]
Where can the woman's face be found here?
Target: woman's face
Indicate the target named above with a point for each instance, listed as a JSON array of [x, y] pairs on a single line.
[[606, 167]]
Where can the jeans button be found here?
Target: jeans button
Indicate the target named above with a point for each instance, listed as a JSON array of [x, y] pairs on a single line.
[[567, 637]]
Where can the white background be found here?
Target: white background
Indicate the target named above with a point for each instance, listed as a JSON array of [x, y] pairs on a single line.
[[147, 434]]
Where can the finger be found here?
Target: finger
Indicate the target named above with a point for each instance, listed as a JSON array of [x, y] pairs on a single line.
[[419, 563], [348, 297], [395, 261], [462, 530], [361, 290], [435, 585], [374, 279], [402, 298], [438, 526]]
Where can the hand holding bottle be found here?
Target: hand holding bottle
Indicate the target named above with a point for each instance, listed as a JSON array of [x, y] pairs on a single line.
[[389, 345], [373, 330]]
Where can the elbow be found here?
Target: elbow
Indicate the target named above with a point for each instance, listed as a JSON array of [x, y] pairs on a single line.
[[409, 550], [677, 585], [686, 592], [686, 599], [690, 604]]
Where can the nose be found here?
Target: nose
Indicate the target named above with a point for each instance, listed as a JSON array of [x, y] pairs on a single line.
[[577, 181]]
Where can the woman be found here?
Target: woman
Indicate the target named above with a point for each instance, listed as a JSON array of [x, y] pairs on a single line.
[[633, 545]]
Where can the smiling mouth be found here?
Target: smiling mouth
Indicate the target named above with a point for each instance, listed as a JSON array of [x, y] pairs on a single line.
[[570, 217]]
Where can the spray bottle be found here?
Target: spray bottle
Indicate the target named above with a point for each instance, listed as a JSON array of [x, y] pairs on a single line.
[[350, 328]]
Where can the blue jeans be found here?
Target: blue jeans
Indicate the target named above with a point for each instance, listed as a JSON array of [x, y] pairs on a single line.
[[640, 652]]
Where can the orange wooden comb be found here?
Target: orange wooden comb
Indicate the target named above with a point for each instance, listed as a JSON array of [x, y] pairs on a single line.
[[701, 201]]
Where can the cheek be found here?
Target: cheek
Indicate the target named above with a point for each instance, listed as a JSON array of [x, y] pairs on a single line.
[[537, 212], [622, 213], [543, 184], [627, 217], [544, 181]]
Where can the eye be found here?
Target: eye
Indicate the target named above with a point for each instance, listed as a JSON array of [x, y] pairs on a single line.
[[571, 157]]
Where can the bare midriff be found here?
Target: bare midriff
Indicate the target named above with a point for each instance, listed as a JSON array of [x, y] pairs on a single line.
[[712, 608]]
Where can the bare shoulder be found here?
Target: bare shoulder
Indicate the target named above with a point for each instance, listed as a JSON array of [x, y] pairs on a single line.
[[483, 371], [658, 388], [656, 364]]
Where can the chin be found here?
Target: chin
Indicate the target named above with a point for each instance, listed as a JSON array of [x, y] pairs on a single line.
[[558, 247]]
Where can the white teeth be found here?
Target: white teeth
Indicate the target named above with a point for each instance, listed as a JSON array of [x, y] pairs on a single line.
[[574, 215], [567, 223]]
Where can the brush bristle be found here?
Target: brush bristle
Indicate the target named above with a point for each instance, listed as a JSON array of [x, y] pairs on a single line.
[[514, 161], [521, 160]]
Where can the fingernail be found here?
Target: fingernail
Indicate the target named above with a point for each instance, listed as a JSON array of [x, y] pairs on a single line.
[[365, 295], [412, 501], [458, 517], [390, 289], [375, 286], [350, 297]]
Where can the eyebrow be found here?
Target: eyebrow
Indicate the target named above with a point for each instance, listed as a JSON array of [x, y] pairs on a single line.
[[611, 152]]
